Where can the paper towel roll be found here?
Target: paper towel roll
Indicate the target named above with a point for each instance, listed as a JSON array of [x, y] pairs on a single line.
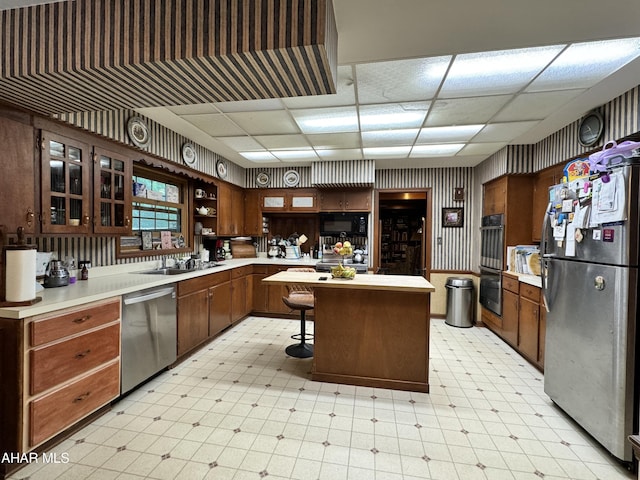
[[20, 277]]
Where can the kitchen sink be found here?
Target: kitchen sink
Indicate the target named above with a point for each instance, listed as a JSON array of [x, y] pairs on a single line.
[[177, 271]]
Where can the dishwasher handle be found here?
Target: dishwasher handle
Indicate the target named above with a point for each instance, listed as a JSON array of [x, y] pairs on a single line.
[[149, 296]]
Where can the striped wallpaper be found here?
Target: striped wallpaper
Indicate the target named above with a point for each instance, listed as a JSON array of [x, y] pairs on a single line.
[[90, 55]]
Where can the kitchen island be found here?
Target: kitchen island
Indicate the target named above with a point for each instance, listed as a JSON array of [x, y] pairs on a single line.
[[370, 331]]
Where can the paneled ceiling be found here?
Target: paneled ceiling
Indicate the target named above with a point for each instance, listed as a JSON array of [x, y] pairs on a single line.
[[429, 84]]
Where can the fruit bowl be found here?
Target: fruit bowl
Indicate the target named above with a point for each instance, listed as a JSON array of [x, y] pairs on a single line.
[[341, 271]]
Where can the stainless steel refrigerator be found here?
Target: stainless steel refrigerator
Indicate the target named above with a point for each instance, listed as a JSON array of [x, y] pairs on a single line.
[[590, 284]]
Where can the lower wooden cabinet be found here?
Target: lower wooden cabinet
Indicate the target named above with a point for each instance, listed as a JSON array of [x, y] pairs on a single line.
[[522, 324], [56, 369], [193, 320], [219, 307]]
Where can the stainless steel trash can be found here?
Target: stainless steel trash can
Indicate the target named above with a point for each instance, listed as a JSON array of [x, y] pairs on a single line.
[[459, 302]]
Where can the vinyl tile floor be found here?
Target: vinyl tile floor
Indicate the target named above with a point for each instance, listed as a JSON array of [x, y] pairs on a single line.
[[241, 409]]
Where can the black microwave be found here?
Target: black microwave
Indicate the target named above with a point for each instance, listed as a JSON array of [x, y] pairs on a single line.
[[343, 224]]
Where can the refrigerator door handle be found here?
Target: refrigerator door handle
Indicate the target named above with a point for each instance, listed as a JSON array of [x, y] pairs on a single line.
[[543, 257]]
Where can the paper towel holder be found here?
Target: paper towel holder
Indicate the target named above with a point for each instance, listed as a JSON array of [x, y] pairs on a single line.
[[21, 244]]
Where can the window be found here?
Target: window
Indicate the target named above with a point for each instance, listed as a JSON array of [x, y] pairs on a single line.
[[159, 204]]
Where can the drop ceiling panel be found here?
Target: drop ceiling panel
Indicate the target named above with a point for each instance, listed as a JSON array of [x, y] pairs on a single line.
[[456, 133], [485, 149], [465, 111], [265, 123], [345, 94], [250, 105], [503, 132], [216, 125], [282, 142], [392, 115], [196, 109], [242, 144], [389, 137], [535, 106], [334, 140], [340, 154], [400, 80]]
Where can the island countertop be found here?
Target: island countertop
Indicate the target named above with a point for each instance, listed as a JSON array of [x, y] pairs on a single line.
[[397, 283]]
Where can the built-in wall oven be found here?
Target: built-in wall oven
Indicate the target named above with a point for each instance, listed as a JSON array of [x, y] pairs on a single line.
[[491, 262]]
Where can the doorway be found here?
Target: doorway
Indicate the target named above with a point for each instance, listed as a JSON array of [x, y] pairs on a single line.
[[403, 227]]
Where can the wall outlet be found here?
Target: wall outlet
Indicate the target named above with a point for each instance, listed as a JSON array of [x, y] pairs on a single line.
[[439, 241]]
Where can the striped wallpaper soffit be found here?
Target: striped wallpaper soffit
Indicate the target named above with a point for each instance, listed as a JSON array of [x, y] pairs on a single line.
[[89, 55], [276, 176], [353, 173]]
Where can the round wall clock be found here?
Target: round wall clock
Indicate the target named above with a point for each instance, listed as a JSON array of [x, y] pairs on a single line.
[[221, 168], [263, 179], [590, 128], [189, 154], [291, 178], [138, 132]]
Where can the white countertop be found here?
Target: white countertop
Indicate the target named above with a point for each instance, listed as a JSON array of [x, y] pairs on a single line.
[[534, 280], [397, 283], [106, 282]]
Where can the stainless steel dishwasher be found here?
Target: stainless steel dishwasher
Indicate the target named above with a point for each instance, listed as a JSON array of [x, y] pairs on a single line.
[[148, 334]]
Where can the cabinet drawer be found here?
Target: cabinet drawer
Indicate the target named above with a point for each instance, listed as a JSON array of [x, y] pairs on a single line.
[[201, 283], [241, 271], [260, 269], [530, 292], [510, 283], [45, 330], [62, 361], [58, 410]]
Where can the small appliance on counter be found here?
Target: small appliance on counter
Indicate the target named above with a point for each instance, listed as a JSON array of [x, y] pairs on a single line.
[[56, 275]]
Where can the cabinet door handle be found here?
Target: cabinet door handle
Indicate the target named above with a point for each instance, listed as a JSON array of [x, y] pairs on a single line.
[[81, 355], [82, 397], [85, 220], [127, 221], [30, 216], [81, 319]]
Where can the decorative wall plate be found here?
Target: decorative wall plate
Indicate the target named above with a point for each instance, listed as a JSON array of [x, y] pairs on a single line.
[[189, 154], [263, 179], [221, 168], [291, 178], [138, 132]]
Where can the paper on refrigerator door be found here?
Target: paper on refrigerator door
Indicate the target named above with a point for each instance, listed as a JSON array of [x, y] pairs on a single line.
[[570, 245], [608, 203]]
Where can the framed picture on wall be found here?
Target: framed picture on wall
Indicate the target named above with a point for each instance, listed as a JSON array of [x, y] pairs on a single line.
[[452, 217]]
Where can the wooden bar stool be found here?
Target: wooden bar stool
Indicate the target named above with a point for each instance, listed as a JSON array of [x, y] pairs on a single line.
[[300, 297]]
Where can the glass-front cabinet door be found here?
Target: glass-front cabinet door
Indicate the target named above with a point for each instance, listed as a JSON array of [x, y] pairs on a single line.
[[112, 192], [65, 184]]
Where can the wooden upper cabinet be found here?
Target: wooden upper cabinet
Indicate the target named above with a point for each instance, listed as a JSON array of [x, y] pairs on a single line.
[[252, 213], [112, 175], [18, 174], [66, 187], [495, 196], [541, 183], [345, 200], [230, 209], [289, 200]]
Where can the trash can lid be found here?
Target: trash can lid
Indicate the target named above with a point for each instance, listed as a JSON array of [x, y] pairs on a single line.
[[459, 282]]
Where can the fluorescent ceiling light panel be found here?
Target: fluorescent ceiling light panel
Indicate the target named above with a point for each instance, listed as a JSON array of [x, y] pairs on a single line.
[[498, 72], [383, 138], [400, 80], [288, 155], [327, 120], [263, 156], [340, 154], [435, 150], [582, 65], [457, 133], [249, 105], [386, 152], [395, 115]]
